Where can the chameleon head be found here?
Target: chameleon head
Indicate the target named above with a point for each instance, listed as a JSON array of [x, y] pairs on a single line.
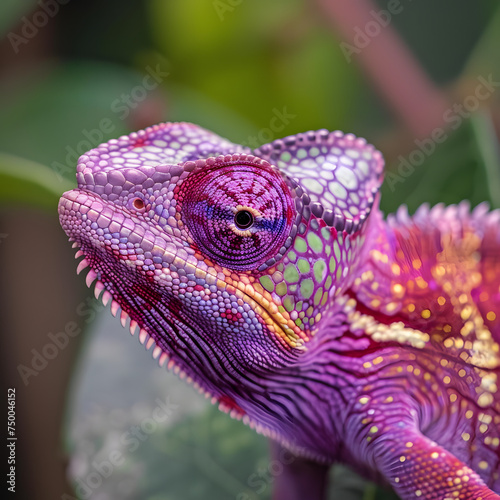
[[225, 258]]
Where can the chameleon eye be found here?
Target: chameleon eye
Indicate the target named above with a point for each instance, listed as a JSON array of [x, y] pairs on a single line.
[[243, 219], [138, 204], [238, 215]]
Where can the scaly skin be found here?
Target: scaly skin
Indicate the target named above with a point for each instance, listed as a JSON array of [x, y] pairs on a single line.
[[270, 280]]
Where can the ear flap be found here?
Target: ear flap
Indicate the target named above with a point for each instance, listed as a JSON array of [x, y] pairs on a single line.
[[340, 173]]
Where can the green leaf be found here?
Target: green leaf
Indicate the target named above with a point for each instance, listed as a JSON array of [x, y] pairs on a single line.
[[58, 114], [484, 58], [276, 61], [465, 166], [487, 142], [11, 12], [26, 182], [210, 455]]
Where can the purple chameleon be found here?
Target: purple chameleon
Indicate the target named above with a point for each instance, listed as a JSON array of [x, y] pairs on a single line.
[[269, 280]]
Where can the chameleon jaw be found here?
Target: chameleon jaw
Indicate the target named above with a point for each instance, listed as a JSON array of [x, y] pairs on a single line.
[[91, 211], [279, 325]]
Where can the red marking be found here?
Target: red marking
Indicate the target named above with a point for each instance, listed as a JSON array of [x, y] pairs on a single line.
[[199, 288], [231, 404], [229, 315], [138, 144]]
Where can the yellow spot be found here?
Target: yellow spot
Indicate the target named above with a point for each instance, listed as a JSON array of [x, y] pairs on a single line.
[[469, 414], [374, 429], [441, 301], [467, 328], [483, 465], [391, 307], [446, 379], [491, 316], [434, 454], [461, 373], [402, 458], [466, 312], [411, 307], [453, 398], [485, 399], [421, 283], [463, 298], [367, 364], [440, 270], [465, 436], [483, 428], [447, 328], [389, 399], [364, 400], [486, 419], [398, 289], [395, 269], [367, 276], [426, 314], [417, 263], [409, 444], [378, 360], [418, 493], [448, 343]]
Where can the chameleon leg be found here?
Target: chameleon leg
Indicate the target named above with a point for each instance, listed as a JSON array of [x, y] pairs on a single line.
[[419, 468], [300, 478]]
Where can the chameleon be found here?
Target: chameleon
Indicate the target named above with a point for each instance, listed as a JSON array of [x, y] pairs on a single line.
[[270, 280]]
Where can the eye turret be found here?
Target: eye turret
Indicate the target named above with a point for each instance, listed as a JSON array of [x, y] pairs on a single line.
[[239, 213]]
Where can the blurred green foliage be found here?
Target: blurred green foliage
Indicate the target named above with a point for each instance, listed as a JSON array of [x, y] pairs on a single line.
[[229, 69], [252, 63], [464, 167]]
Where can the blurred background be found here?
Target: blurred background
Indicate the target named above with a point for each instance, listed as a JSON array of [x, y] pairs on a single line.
[[420, 80]]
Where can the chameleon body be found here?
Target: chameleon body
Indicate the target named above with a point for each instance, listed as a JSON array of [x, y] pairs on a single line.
[[270, 280]]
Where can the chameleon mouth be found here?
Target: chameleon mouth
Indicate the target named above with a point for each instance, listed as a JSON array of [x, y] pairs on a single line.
[[84, 216]]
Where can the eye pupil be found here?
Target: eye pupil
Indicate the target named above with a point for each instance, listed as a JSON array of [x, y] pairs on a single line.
[[138, 204], [243, 219]]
